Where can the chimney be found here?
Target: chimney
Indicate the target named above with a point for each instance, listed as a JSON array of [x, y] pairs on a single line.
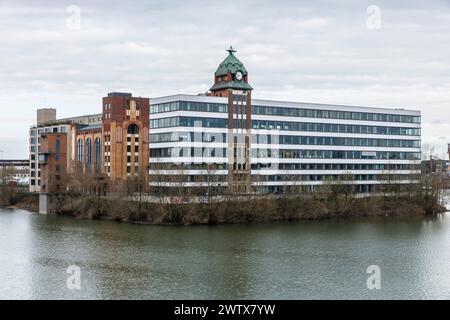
[[45, 115]]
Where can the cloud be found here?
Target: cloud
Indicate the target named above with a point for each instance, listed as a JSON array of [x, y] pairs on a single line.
[[294, 50]]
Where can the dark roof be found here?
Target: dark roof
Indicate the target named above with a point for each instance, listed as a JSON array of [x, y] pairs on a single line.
[[119, 94], [230, 64], [231, 85], [91, 127], [15, 163]]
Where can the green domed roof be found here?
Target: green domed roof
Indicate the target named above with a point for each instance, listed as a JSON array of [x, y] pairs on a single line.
[[230, 64]]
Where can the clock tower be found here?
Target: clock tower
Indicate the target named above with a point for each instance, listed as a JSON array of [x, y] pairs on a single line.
[[231, 81], [230, 75]]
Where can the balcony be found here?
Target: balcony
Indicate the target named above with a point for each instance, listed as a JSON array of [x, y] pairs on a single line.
[[43, 157]]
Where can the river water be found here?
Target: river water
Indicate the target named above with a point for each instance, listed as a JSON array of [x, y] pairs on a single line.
[[301, 260]]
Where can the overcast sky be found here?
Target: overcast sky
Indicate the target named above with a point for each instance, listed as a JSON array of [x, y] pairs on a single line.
[[326, 52]]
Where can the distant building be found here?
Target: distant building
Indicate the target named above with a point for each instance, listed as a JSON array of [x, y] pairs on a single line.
[[435, 166], [15, 170], [254, 145], [53, 125], [113, 144]]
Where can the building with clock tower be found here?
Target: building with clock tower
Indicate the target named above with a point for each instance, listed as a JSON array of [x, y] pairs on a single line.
[[228, 142]]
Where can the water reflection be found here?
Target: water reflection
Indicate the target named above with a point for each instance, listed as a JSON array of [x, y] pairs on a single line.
[[305, 260]]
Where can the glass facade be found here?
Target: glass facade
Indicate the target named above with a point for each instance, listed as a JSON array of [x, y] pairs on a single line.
[[334, 114], [354, 142], [334, 127], [188, 106], [313, 111], [188, 122], [288, 153], [343, 143]]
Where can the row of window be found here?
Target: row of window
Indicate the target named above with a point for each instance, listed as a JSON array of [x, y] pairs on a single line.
[[288, 178], [287, 112], [87, 149], [328, 127], [188, 122], [40, 131], [354, 142], [285, 153], [339, 166], [34, 182], [360, 188], [333, 154], [320, 177], [33, 140], [187, 166], [188, 106], [291, 166], [269, 139], [187, 136], [187, 152], [33, 173], [331, 114], [281, 125], [294, 140]]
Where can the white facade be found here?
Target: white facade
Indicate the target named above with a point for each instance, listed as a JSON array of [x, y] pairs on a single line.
[[293, 143]]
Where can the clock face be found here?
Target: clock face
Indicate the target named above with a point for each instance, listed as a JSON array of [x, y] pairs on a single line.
[[239, 76]]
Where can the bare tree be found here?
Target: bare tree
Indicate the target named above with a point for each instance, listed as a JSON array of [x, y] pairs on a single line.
[[8, 187]]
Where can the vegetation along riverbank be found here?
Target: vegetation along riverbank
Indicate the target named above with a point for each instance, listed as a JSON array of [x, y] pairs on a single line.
[[332, 200]]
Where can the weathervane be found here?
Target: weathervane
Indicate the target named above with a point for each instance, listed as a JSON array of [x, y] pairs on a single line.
[[231, 50]]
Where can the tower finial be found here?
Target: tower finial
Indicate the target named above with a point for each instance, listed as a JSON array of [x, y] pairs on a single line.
[[231, 50]]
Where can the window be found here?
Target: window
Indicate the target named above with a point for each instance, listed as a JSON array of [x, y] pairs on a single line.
[[98, 154], [58, 149], [80, 151], [88, 151], [133, 129]]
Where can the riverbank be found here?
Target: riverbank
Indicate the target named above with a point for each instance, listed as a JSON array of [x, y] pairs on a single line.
[[250, 210], [19, 200]]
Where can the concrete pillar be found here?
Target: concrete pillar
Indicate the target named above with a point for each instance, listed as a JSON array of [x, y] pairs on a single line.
[[43, 203]]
